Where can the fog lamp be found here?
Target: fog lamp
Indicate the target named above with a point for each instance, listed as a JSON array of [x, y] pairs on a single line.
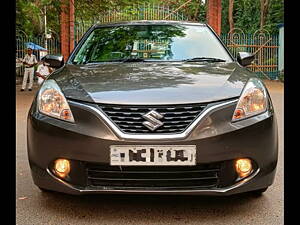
[[62, 167], [243, 167]]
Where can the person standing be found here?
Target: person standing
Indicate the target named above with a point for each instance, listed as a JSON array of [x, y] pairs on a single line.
[[43, 72], [29, 61]]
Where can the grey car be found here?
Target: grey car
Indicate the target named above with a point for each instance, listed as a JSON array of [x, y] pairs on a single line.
[[152, 107]]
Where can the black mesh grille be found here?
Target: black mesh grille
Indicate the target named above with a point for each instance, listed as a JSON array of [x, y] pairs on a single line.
[[176, 118], [200, 176]]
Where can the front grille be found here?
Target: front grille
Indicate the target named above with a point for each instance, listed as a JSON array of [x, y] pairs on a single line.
[[200, 176], [129, 119]]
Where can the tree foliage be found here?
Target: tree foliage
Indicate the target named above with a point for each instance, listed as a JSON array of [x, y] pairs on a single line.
[[246, 15], [30, 16], [194, 10], [275, 15], [89, 9]]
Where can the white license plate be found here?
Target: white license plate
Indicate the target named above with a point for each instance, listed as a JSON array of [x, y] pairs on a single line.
[[152, 155]]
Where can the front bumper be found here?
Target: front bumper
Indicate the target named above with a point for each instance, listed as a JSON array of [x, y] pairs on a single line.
[[87, 141]]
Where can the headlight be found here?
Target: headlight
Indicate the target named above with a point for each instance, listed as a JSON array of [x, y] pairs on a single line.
[[252, 101], [52, 102]]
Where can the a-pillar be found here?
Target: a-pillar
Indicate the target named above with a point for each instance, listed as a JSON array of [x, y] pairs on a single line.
[[213, 15]]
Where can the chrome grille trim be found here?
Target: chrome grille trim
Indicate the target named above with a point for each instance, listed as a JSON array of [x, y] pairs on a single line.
[[97, 112], [170, 119]]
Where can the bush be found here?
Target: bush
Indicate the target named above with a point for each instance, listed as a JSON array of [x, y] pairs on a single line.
[[281, 76]]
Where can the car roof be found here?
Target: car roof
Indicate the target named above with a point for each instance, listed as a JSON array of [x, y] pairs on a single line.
[[150, 22]]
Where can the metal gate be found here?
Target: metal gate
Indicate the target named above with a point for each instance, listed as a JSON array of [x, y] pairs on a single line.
[[145, 11], [262, 44], [51, 44]]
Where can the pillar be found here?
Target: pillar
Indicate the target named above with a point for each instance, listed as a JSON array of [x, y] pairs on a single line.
[[213, 15], [67, 18]]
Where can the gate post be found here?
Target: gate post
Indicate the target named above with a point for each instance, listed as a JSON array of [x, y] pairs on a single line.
[[281, 48], [213, 15], [72, 20], [67, 27]]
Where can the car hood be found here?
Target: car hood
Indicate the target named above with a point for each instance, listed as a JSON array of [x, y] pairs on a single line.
[[152, 83]]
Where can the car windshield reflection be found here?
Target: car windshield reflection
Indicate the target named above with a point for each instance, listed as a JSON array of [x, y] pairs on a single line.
[[142, 43]]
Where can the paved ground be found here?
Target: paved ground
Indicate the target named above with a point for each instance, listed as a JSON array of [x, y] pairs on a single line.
[[34, 207]]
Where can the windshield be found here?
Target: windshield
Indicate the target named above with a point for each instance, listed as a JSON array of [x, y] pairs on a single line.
[[150, 42]]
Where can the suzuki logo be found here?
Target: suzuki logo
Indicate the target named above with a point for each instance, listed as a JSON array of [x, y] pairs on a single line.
[[152, 118]]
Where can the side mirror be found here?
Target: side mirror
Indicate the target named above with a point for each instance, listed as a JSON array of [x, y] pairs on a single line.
[[245, 58], [55, 61]]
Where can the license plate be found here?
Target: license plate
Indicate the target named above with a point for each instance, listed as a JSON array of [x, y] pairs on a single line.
[[152, 155]]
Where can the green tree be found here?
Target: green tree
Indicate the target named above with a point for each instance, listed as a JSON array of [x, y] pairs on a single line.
[[246, 15], [275, 15], [30, 13], [30, 16], [89, 9]]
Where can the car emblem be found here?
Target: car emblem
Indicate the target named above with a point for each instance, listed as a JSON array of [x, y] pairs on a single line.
[[152, 118]]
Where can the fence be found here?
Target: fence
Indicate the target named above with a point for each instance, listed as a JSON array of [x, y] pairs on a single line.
[[145, 11], [262, 44], [51, 44]]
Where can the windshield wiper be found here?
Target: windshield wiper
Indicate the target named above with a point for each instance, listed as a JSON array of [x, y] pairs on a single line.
[[204, 59], [117, 60], [133, 60]]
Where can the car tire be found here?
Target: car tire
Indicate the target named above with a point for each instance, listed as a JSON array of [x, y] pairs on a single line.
[[259, 192]]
